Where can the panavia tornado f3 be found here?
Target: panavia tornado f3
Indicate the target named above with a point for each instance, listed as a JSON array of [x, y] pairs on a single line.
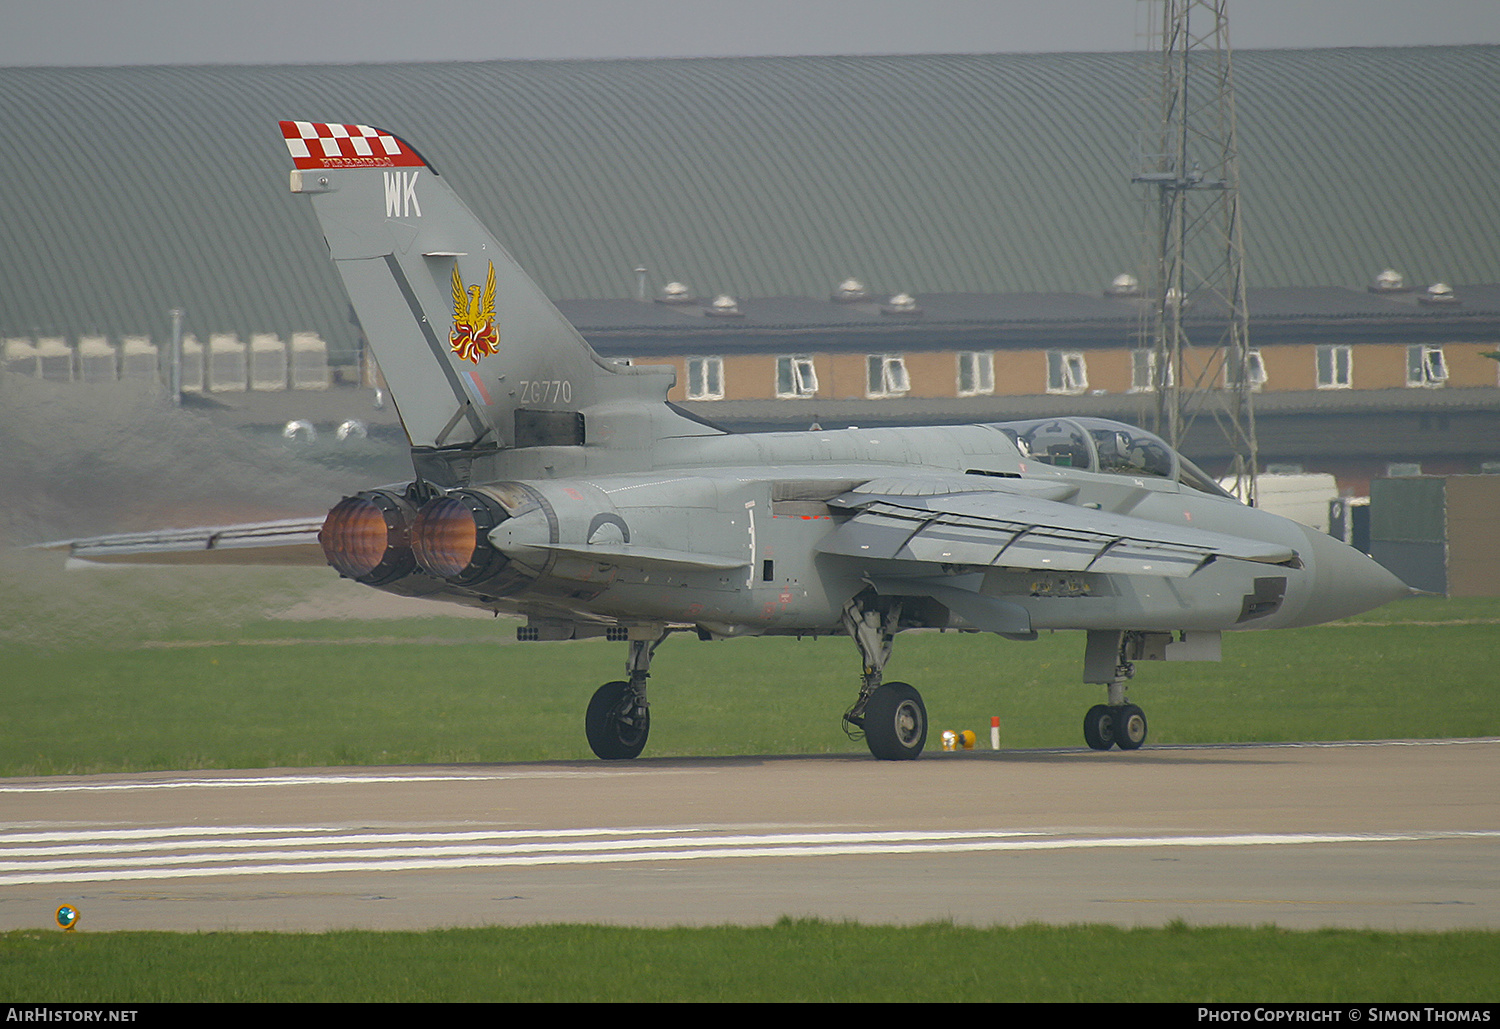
[[555, 485]]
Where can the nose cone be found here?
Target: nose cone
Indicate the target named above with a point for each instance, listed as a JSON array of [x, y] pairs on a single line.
[[1344, 581]]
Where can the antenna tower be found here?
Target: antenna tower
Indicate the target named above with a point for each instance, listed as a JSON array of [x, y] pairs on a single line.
[[1202, 363]]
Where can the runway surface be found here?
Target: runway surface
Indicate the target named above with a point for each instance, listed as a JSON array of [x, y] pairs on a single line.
[[1397, 835]]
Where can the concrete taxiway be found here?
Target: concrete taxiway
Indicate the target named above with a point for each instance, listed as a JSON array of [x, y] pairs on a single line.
[[1393, 835]]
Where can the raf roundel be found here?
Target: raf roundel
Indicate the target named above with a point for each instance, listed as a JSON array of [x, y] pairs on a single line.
[[322, 145]]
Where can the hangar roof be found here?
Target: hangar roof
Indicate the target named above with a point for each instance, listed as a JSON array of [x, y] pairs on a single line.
[[135, 190]]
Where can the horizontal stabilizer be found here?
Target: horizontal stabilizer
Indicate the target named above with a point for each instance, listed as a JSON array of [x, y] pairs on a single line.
[[292, 541]]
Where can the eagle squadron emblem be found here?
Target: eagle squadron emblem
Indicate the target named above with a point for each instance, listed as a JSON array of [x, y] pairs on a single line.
[[474, 334]]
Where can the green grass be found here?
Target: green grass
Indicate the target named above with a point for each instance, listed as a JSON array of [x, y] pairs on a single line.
[[793, 960], [146, 669]]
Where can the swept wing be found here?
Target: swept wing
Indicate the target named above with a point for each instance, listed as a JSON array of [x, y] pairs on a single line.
[[895, 521]]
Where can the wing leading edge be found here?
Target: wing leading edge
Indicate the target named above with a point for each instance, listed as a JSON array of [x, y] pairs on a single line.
[[999, 529]]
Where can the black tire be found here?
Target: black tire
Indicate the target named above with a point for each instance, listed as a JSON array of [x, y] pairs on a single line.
[[615, 727], [1099, 727], [1130, 727], [895, 722]]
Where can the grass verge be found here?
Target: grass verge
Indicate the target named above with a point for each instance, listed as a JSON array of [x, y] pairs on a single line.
[[246, 691], [793, 960]]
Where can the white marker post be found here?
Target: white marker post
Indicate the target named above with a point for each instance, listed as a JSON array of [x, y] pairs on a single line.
[[995, 732]]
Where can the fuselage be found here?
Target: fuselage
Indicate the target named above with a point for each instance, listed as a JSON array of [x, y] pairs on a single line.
[[722, 532]]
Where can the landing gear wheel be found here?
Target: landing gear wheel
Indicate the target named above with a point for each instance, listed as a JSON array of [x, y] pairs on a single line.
[[1099, 727], [895, 722], [1130, 727], [615, 724]]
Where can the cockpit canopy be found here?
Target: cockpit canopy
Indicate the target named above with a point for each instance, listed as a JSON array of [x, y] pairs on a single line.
[[1100, 445]]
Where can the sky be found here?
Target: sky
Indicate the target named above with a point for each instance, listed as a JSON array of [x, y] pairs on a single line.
[[127, 32]]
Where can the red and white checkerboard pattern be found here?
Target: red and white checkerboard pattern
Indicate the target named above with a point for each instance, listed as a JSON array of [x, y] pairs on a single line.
[[318, 145]]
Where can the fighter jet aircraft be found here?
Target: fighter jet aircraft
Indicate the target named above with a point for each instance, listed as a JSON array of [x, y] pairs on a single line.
[[553, 484]]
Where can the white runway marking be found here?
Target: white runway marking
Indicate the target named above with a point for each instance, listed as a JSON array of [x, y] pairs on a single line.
[[179, 853]]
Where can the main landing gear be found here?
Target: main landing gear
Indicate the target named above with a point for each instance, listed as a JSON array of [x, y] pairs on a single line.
[[618, 719], [891, 715], [1118, 723]]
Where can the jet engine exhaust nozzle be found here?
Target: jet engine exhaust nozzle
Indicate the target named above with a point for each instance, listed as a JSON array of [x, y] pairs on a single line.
[[364, 538], [450, 538]]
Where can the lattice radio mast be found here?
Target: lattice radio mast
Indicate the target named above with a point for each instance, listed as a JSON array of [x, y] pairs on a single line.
[[1199, 332]]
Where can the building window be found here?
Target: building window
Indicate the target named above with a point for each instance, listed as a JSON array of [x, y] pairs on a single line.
[[795, 377], [1066, 372], [1425, 365], [976, 373], [1255, 365], [1143, 371], [1335, 367], [705, 378], [886, 376]]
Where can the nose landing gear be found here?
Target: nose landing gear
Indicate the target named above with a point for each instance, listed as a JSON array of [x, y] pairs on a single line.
[[1122, 726], [1118, 723]]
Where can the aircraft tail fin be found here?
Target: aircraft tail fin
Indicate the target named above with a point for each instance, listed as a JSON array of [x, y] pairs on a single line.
[[475, 355]]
